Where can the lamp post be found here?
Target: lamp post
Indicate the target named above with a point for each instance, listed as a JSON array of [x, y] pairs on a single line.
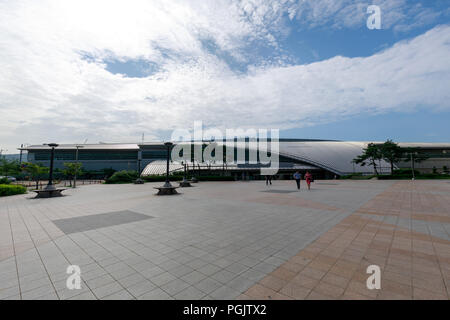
[[194, 178], [169, 146], [184, 183], [50, 185], [412, 166], [76, 161], [167, 188], [50, 191], [139, 180], [20, 154]]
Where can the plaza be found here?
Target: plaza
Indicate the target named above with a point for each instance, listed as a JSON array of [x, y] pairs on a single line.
[[230, 240]]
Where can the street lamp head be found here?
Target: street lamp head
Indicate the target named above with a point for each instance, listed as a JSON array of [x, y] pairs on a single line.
[[52, 145]]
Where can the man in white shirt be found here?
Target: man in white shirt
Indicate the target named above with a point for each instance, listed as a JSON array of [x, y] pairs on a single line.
[[297, 177]]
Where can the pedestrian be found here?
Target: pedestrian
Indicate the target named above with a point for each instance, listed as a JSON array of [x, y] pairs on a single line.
[[297, 177], [309, 179], [268, 180]]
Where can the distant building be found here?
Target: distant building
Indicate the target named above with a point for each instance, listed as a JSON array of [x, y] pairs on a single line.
[[325, 159]]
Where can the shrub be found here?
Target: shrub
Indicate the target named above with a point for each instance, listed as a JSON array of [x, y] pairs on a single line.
[[405, 171], [395, 177], [108, 172], [418, 177], [4, 181], [11, 189], [433, 176], [124, 176], [358, 176]]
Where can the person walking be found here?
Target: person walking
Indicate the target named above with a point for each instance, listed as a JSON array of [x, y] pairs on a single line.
[[297, 177], [268, 180], [309, 179]]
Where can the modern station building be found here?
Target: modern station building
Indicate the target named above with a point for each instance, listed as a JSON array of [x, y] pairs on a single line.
[[325, 159]]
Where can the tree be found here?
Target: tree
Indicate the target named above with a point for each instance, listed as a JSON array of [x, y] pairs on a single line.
[[72, 169], [391, 152], [108, 172], [370, 155], [35, 170], [413, 155], [9, 167]]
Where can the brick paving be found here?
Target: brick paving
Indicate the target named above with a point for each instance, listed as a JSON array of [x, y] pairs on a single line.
[[227, 240], [404, 230]]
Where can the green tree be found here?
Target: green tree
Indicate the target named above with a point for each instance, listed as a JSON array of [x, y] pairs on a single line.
[[371, 154], [35, 170], [108, 172], [413, 155], [71, 169], [9, 167], [391, 152]]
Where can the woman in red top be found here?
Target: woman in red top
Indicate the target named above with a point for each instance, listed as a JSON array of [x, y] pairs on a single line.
[[309, 179]]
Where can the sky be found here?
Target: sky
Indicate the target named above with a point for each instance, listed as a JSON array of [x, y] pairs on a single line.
[[109, 71]]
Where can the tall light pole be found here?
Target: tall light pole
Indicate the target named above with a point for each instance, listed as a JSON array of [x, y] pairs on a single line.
[[76, 161], [167, 188], [139, 179], [50, 191], [50, 185], [184, 183], [412, 166], [20, 155], [169, 146]]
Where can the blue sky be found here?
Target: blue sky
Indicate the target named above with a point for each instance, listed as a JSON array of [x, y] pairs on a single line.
[[422, 126], [316, 45], [112, 70]]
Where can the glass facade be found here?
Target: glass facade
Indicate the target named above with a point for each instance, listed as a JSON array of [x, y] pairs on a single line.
[[154, 154], [70, 155]]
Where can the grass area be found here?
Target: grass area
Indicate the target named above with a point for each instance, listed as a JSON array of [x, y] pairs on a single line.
[[11, 189]]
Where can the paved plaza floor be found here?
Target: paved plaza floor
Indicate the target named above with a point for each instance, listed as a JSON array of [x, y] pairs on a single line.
[[228, 240]]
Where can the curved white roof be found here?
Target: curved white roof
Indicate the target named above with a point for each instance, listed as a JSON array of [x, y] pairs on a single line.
[[335, 156]]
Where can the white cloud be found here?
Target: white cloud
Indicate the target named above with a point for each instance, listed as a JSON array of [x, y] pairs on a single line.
[[49, 92]]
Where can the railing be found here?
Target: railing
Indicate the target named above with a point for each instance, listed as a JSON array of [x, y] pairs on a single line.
[[58, 183]]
